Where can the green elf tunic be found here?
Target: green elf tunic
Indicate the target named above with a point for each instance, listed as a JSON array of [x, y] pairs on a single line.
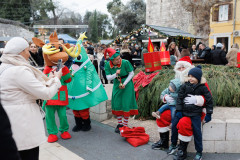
[[123, 100]]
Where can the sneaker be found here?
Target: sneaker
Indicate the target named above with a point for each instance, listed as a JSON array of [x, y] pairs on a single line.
[[117, 128], [52, 138], [154, 114], [198, 156], [65, 135], [172, 149]]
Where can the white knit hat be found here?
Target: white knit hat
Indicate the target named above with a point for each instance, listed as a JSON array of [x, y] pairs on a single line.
[[15, 46], [219, 45]]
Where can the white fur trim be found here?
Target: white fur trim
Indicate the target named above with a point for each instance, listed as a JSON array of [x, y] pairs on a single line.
[[87, 93], [182, 63], [164, 129], [200, 101], [184, 138], [204, 110]]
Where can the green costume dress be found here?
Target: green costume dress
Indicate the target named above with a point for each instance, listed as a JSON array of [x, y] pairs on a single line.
[[123, 100], [85, 89]]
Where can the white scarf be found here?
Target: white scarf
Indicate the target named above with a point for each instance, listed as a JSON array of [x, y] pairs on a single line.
[[18, 60]]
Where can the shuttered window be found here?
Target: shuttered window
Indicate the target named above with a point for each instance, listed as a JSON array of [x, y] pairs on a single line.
[[222, 12]]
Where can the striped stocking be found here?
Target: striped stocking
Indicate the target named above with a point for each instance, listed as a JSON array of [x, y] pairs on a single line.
[[125, 122], [119, 118]]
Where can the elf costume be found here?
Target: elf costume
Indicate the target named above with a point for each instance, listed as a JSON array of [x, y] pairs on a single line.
[[52, 52], [123, 100], [85, 90]]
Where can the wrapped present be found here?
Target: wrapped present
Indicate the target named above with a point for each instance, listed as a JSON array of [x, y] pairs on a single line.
[[152, 61]]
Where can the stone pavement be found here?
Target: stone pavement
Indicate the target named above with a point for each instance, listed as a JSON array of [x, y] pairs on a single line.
[[101, 143]]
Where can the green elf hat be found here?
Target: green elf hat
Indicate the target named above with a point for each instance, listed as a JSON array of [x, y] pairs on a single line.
[[112, 53]]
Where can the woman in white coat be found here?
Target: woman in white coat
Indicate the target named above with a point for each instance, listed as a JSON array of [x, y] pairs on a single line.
[[20, 86]]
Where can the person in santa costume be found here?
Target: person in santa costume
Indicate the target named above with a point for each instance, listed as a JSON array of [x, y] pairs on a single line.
[[181, 69], [123, 95], [85, 89]]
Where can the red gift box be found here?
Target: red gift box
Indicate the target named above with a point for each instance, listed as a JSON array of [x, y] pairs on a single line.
[[165, 58], [152, 61]]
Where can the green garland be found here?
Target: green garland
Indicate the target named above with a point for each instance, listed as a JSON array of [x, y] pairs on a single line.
[[223, 81]]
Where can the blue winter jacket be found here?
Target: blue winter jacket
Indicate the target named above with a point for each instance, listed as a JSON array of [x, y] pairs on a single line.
[[174, 95]]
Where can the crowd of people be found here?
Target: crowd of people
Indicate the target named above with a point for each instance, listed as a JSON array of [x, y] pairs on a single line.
[[188, 98]]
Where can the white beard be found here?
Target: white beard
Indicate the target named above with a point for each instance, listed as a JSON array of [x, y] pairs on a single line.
[[182, 75]]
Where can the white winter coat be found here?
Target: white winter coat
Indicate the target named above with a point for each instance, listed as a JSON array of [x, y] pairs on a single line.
[[19, 90]]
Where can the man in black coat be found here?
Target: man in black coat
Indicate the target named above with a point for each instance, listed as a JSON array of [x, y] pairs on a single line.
[[206, 54], [8, 148], [219, 56]]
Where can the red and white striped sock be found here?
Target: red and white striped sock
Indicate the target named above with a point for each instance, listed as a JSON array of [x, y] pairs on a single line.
[[125, 122], [119, 118]]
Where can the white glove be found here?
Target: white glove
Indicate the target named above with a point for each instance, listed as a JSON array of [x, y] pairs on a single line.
[[191, 99], [169, 99]]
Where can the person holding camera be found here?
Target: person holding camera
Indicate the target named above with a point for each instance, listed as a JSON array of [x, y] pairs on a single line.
[[21, 85]]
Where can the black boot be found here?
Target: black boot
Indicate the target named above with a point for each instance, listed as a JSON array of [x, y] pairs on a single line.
[[117, 128], [182, 151], [78, 126], [86, 124], [163, 143]]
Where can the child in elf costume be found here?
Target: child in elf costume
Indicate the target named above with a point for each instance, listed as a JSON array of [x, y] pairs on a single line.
[[52, 53], [85, 90], [123, 95]]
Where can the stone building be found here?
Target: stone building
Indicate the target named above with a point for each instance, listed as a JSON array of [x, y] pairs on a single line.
[[169, 13]]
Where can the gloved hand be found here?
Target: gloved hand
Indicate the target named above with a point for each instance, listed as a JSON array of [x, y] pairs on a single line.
[[179, 115], [191, 99], [208, 118], [169, 99]]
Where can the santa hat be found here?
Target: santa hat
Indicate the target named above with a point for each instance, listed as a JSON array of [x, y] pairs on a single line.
[[184, 61], [112, 53], [15, 46]]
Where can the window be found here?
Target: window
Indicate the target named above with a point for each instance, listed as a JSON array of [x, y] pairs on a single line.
[[222, 13]]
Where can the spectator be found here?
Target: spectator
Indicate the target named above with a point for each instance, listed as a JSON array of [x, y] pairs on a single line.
[[185, 52], [173, 50], [102, 65], [36, 58], [156, 48], [126, 53], [90, 50], [23, 85], [198, 48], [219, 56], [145, 50], [194, 50], [232, 55], [8, 148], [206, 55], [136, 53]]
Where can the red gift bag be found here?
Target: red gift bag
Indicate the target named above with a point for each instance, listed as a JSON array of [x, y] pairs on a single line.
[[152, 61], [238, 59], [136, 136]]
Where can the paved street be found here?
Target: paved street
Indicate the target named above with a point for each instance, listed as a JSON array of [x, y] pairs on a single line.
[[102, 143]]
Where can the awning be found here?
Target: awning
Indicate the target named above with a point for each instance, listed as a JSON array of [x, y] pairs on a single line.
[[172, 32], [106, 41], [66, 38]]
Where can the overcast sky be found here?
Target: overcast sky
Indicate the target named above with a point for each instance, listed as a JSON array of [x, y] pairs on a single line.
[[81, 6]]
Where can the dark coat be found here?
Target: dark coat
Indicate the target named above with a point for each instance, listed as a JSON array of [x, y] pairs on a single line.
[[37, 58], [206, 55], [191, 110], [219, 57], [8, 148]]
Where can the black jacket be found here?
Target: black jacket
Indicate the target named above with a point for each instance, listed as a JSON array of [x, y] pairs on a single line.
[[206, 55], [219, 57], [191, 110], [8, 148], [37, 58]]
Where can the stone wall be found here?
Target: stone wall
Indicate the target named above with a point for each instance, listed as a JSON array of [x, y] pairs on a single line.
[[168, 13], [14, 29]]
